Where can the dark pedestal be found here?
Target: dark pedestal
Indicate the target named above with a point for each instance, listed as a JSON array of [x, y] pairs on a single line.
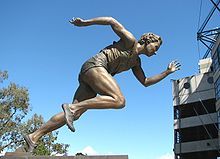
[[20, 152]]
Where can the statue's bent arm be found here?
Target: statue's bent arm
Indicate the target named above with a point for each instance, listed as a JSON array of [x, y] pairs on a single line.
[[126, 37]]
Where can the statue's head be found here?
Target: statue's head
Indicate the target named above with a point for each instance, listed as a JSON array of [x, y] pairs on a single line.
[[151, 43]]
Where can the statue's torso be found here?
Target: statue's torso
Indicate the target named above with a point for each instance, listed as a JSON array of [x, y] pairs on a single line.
[[114, 59]]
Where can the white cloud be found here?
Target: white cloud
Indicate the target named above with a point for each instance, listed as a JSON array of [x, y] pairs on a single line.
[[57, 154], [167, 156], [88, 150]]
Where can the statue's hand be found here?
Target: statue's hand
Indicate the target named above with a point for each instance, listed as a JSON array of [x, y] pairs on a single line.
[[173, 66], [77, 21]]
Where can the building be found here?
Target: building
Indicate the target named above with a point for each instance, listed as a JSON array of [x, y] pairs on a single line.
[[196, 101]]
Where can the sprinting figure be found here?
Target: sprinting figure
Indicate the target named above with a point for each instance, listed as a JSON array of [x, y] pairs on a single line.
[[96, 76]]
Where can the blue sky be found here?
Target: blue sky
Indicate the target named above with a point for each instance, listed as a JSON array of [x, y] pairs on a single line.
[[43, 52]]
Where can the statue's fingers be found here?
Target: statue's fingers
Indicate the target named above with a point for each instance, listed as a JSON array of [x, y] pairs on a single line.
[[72, 19], [178, 65], [176, 62], [178, 68]]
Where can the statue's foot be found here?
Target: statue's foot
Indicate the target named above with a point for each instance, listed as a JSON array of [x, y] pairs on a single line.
[[30, 145], [69, 117]]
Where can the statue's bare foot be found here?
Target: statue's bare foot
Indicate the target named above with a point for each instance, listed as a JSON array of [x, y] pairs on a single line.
[[69, 116], [30, 144]]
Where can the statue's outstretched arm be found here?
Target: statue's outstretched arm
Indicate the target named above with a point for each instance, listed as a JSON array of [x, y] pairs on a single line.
[[147, 81], [117, 27]]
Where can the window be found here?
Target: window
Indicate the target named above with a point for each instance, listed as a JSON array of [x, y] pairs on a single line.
[[176, 113], [177, 137]]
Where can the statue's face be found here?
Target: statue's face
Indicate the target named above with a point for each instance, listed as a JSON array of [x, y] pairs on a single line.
[[151, 48]]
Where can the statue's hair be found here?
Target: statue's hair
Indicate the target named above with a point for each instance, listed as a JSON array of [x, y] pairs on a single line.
[[149, 38]]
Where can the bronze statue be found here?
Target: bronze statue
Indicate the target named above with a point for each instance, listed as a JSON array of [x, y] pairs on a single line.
[[96, 76]]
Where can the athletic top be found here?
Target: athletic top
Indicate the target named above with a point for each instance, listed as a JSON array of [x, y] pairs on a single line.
[[113, 59]]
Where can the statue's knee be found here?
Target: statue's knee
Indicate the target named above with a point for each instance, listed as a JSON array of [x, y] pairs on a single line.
[[120, 102]]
